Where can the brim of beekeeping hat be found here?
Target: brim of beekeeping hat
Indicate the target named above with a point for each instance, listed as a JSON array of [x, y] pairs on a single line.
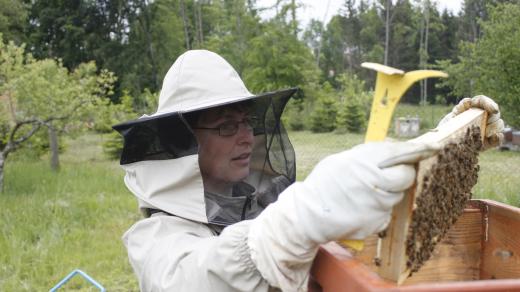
[[285, 93], [166, 135]]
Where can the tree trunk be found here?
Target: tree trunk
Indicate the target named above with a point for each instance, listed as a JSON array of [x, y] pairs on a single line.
[[425, 92], [387, 30], [53, 144], [146, 24], [200, 34], [421, 59], [293, 14], [423, 50], [185, 23], [2, 160]]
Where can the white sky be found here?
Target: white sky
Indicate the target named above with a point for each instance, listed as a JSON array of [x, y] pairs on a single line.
[[318, 8]]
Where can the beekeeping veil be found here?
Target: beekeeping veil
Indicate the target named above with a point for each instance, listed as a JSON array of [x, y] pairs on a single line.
[[160, 153]]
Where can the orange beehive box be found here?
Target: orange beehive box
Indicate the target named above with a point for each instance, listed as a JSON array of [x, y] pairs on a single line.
[[481, 252]]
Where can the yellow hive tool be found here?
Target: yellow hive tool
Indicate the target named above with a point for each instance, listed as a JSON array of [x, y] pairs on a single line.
[[391, 84]]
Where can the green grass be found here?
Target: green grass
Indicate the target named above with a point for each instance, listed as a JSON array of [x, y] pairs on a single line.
[[312, 147], [499, 177], [52, 223]]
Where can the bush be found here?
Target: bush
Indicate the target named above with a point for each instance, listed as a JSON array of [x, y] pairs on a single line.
[[323, 118], [351, 117], [293, 115], [355, 104]]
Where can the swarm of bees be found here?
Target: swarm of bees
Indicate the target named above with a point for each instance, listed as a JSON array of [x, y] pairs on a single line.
[[445, 191]]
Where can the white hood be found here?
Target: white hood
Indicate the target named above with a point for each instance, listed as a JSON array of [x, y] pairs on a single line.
[[172, 185]]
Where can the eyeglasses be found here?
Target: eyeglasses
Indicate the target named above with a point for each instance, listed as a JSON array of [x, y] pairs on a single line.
[[230, 128]]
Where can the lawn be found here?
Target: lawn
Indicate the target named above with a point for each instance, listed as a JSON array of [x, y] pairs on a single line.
[[53, 223]]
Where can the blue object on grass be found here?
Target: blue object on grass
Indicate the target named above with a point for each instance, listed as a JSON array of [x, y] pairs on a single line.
[[84, 275]]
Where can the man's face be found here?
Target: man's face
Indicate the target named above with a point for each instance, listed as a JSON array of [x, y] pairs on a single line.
[[223, 160]]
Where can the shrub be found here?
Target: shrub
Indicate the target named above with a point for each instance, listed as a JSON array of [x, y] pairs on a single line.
[[323, 118], [351, 117], [293, 116]]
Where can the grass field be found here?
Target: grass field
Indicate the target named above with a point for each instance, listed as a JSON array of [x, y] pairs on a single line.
[[53, 223]]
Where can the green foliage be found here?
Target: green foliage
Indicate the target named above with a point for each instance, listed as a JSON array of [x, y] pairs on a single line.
[[80, 31], [38, 145], [156, 37], [355, 104], [13, 17], [231, 27], [462, 74], [277, 60], [111, 113], [351, 117], [491, 65], [43, 93], [293, 115], [323, 117], [128, 109]]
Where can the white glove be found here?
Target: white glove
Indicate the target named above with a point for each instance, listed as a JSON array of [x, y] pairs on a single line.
[[351, 194], [347, 195], [495, 125]]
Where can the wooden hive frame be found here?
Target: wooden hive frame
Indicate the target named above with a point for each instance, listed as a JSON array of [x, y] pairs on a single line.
[[392, 251]]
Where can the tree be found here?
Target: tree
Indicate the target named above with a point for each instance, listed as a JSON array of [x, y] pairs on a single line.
[[42, 93], [491, 65], [232, 27], [13, 17], [333, 49], [371, 34], [312, 37], [354, 104], [277, 59], [323, 118], [156, 37], [82, 31], [14, 130]]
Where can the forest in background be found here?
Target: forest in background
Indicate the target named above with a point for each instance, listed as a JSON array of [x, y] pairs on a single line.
[[67, 64], [139, 40]]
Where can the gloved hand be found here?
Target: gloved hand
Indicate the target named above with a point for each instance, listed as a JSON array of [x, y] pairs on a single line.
[[351, 194], [495, 125], [347, 195]]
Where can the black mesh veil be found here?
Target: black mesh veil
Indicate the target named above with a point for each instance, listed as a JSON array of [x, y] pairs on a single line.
[[272, 164], [166, 137]]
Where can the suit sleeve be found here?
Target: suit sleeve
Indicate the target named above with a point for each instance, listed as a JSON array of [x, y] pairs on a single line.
[[169, 253]]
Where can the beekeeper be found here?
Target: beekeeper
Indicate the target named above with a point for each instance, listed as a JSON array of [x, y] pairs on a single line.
[[214, 174]]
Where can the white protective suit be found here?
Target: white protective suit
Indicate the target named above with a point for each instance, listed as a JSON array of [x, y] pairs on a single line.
[[181, 248]]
